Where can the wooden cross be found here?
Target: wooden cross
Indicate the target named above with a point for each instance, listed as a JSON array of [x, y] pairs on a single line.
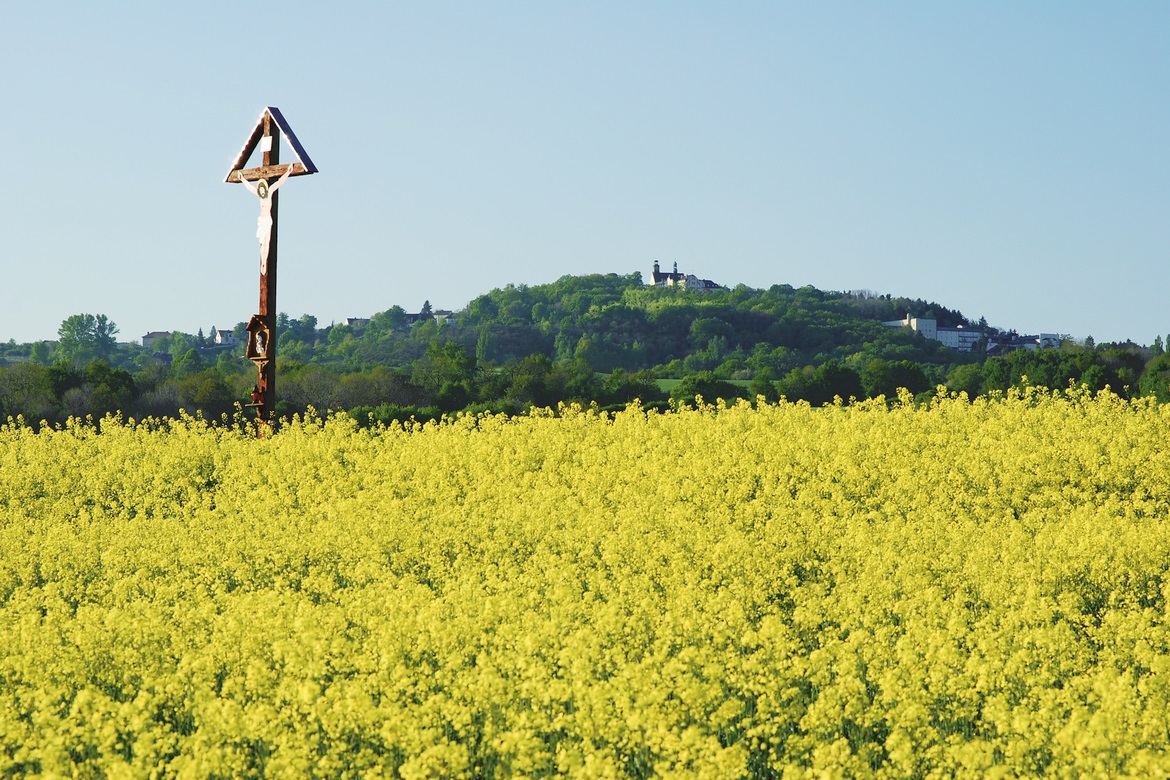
[[262, 327]]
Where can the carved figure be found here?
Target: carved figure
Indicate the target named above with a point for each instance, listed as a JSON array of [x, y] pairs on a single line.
[[262, 190]]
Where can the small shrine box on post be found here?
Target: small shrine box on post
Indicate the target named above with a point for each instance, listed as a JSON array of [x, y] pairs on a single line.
[[262, 327]]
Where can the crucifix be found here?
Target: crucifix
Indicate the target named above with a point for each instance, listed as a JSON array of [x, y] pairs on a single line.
[[266, 134]]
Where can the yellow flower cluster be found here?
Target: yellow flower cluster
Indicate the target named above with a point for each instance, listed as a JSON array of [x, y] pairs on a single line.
[[867, 590]]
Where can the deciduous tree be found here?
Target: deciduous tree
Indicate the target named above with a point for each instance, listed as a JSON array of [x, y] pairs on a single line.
[[86, 337]]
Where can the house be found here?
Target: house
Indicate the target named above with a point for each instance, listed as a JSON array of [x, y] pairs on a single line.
[[925, 327], [152, 338], [226, 338], [964, 339], [440, 316], [999, 346], [357, 322], [960, 339], [686, 281]]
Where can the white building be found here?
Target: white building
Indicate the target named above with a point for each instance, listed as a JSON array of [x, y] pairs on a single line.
[[927, 328], [226, 338], [1041, 341], [960, 338]]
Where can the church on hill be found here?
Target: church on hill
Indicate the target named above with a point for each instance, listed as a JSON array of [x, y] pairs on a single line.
[[686, 281]]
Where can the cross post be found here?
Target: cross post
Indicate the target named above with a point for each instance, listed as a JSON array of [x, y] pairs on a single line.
[[262, 334]]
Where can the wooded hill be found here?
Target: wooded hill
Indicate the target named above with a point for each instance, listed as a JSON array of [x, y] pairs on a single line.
[[599, 338], [614, 322]]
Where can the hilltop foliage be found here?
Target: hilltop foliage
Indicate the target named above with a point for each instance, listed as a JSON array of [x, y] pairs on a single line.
[[598, 338]]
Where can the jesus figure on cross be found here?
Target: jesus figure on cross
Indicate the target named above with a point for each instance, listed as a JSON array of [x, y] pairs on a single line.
[[264, 192]]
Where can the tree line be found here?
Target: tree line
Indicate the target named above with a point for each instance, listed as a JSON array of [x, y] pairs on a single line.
[[603, 339]]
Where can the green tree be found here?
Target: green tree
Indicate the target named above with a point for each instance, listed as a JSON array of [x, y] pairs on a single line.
[[40, 353], [485, 347], [704, 329], [533, 383], [1155, 380], [833, 380], [482, 309], [881, 377], [452, 396], [620, 387], [387, 321], [180, 344], [26, 389], [190, 362], [820, 385], [763, 384], [63, 377], [706, 385], [587, 351], [85, 337], [580, 383], [108, 389], [306, 328], [967, 378], [443, 363]]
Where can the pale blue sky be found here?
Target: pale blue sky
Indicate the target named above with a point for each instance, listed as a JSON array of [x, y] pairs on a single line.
[[1006, 159]]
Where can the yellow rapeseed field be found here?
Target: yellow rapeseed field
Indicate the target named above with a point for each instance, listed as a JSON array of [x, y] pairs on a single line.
[[959, 589]]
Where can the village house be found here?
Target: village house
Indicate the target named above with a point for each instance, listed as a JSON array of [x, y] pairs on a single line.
[[225, 338], [441, 316], [152, 338]]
